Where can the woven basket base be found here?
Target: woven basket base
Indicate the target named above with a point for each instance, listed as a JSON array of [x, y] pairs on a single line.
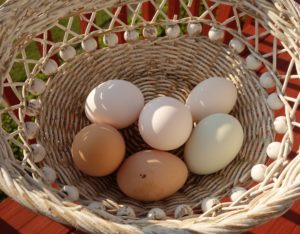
[[158, 68]]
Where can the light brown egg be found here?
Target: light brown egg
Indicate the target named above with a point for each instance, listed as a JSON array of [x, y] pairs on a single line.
[[98, 150], [152, 175]]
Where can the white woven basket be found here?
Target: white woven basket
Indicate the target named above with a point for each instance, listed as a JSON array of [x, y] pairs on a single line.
[[159, 65]]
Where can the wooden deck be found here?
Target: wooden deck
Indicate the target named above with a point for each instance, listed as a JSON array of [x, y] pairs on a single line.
[[16, 219]]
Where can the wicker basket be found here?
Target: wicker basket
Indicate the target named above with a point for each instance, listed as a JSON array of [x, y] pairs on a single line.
[[159, 65]]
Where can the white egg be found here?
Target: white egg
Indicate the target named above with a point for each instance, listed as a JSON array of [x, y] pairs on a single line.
[[71, 192], [214, 143], [131, 35], [280, 125], [50, 67], [194, 29], [236, 193], [156, 214], [111, 39], [274, 102], [266, 80], [33, 107], [150, 32], [114, 102], [31, 130], [173, 31], [297, 180], [67, 53], [49, 173], [237, 45], [209, 203], [258, 172], [252, 62], [90, 44], [36, 86], [216, 34], [273, 150], [165, 123], [214, 95]]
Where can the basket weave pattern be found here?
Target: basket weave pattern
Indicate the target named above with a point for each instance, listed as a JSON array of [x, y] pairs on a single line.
[[160, 66]]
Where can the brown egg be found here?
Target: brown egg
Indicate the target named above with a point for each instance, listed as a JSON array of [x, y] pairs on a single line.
[[98, 149], [152, 175]]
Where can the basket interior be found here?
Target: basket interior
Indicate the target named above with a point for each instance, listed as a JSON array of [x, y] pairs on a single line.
[[163, 67]]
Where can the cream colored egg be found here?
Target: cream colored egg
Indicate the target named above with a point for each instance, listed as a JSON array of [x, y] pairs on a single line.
[[151, 175], [114, 102], [98, 150], [214, 143], [165, 123], [214, 95]]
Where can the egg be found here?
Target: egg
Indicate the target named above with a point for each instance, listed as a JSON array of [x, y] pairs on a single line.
[[165, 123], [114, 102], [211, 96], [98, 150], [151, 175], [214, 143]]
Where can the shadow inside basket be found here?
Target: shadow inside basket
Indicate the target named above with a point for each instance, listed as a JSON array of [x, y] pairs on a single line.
[[163, 68]]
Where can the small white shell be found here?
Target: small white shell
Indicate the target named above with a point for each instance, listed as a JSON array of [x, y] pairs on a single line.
[[31, 130], [50, 67], [266, 80], [236, 193], [173, 31], [194, 29], [96, 206], [237, 45], [280, 125], [49, 173], [131, 36], [110, 39], [252, 62], [183, 211], [258, 172], [156, 214], [216, 34], [274, 102], [209, 203], [126, 211], [89, 44], [71, 192], [33, 107], [38, 152], [273, 150], [67, 53], [36, 86], [150, 32]]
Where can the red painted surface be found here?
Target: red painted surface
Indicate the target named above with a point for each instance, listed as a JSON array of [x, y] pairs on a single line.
[[148, 11], [195, 8], [173, 8]]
